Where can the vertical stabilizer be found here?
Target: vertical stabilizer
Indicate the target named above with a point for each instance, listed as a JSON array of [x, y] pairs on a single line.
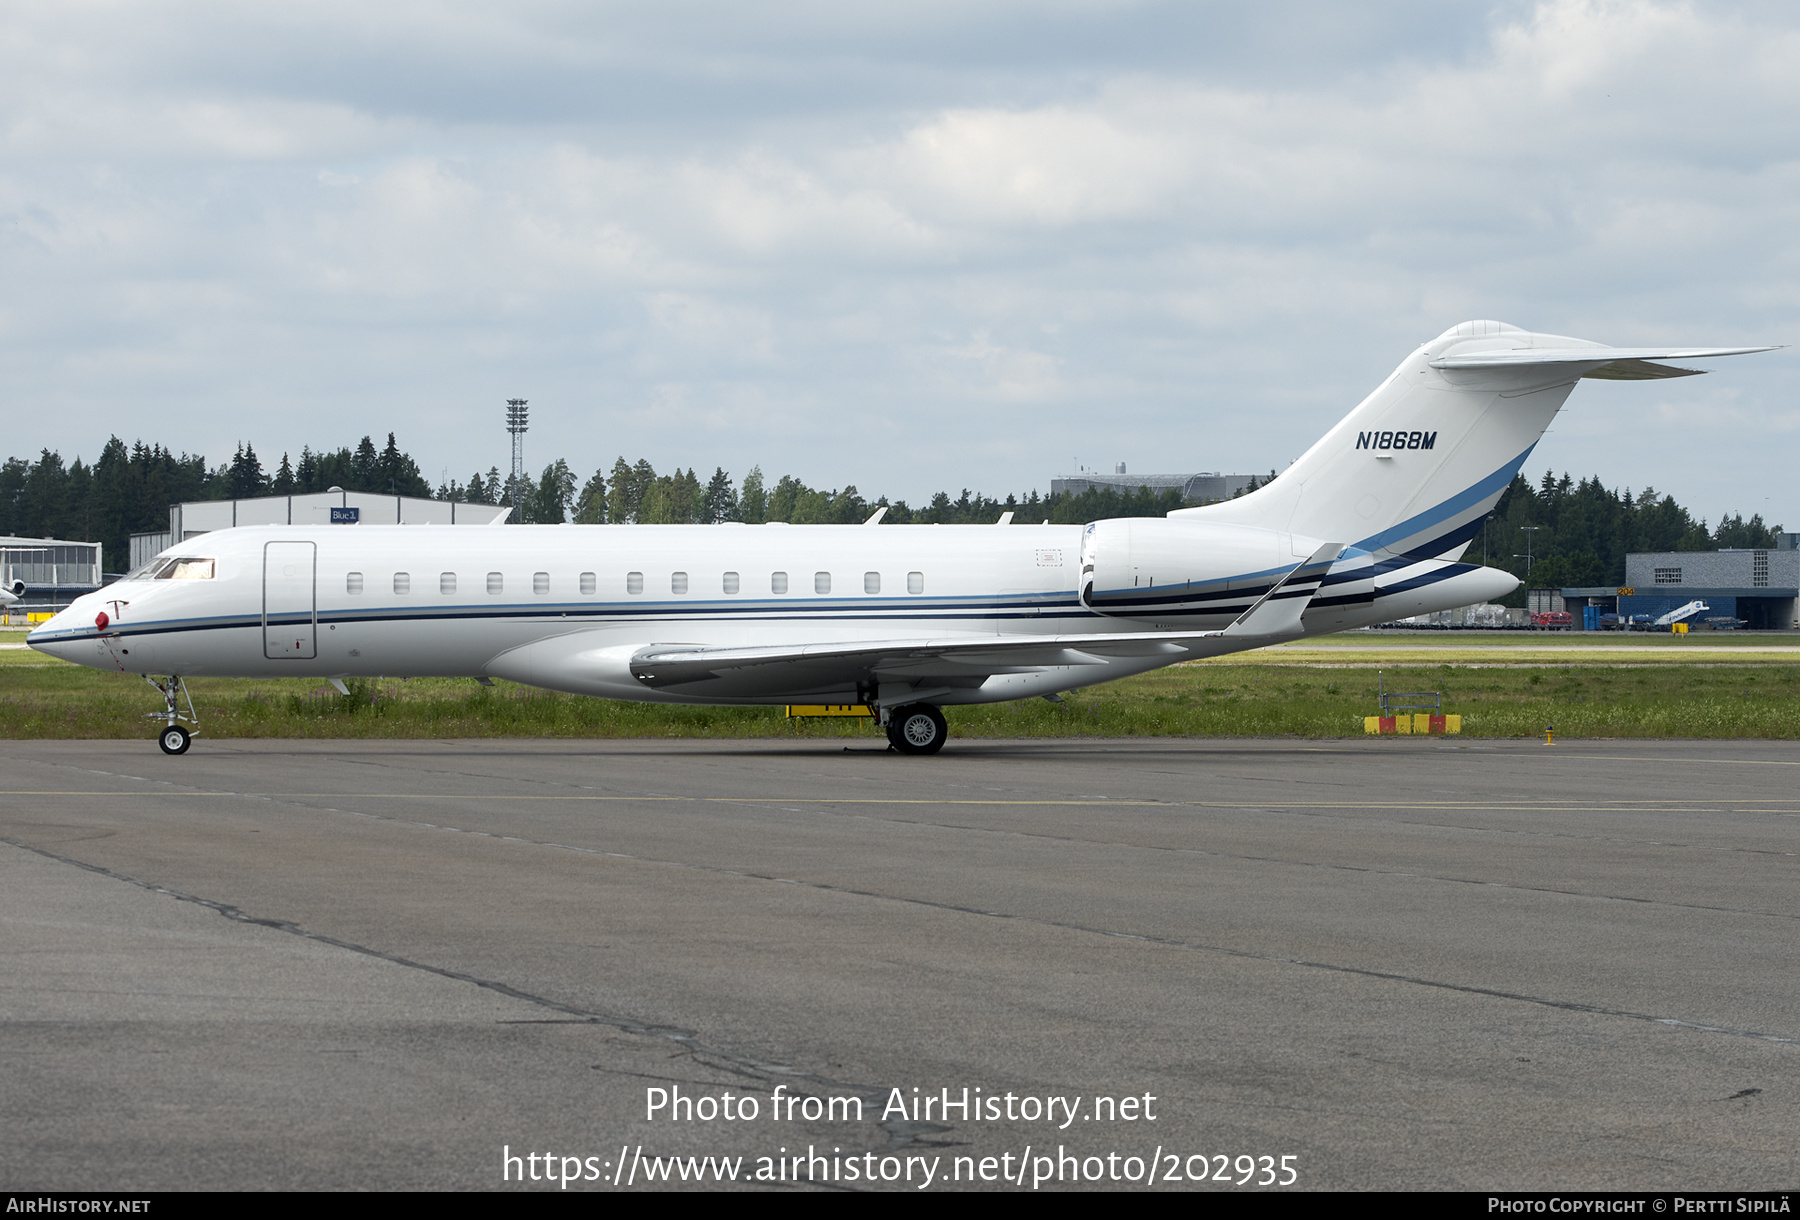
[[1420, 462]]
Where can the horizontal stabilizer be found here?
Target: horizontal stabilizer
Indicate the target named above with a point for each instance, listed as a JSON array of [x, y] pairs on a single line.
[[1633, 361], [1638, 370]]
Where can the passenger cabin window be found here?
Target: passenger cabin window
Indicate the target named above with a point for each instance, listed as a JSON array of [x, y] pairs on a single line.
[[402, 582], [496, 583], [678, 582], [915, 582], [778, 582], [587, 584], [871, 582], [731, 582], [446, 582], [187, 569], [540, 583], [634, 582], [353, 582], [821, 582]]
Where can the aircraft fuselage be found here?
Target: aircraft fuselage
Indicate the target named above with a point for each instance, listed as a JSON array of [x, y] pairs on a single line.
[[568, 607]]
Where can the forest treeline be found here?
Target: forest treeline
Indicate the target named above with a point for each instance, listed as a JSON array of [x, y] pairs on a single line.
[[1557, 533], [1564, 534], [128, 490]]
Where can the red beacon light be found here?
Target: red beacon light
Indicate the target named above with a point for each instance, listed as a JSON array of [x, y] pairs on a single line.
[[100, 620]]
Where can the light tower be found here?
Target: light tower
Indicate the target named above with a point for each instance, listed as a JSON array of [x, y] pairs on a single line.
[[515, 424]]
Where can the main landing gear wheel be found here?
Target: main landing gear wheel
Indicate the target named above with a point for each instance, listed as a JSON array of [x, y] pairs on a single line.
[[918, 728], [174, 740]]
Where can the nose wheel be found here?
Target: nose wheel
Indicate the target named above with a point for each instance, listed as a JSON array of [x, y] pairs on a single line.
[[917, 728], [174, 738]]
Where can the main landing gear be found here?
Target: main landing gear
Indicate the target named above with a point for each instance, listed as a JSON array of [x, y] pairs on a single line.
[[917, 728], [174, 739]]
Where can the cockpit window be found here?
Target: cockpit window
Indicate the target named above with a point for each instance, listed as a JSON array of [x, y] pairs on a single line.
[[187, 569], [149, 570]]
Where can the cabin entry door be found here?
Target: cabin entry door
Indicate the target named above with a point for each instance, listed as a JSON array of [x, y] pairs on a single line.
[[290, 617]]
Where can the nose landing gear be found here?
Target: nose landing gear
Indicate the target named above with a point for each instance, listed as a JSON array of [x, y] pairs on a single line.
[[174, 739]]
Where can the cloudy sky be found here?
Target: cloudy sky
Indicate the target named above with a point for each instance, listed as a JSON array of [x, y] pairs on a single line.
[[910, 247]]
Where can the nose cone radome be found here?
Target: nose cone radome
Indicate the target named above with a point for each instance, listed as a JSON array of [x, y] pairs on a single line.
[[70, 633]]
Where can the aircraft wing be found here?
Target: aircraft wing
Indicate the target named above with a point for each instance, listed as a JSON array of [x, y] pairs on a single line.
[[742, 673], [749, 672]]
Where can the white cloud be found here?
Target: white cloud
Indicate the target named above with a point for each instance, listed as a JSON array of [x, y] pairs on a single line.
[[343, 216], [1054, 166]]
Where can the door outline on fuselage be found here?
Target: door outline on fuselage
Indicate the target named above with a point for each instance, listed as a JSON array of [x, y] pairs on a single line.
[[290, 588]]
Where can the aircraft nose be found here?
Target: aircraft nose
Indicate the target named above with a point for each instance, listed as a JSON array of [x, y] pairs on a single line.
[[66, 631]]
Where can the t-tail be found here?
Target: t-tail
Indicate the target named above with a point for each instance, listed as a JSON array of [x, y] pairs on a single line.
[[1408, 476]]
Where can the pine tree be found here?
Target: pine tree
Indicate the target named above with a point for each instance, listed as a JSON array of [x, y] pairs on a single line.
[[619, 502], [114, 504], [753, 502], [719, 504], [685, 497], [365, 468], [548, 503], [245, 479], [590, 508]]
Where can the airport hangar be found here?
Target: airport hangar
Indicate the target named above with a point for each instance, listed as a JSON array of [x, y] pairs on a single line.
[[334, 507], [1760, 589], [55, 571]]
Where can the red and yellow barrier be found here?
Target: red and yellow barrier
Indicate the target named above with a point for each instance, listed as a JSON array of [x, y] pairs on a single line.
[[1418, 723]]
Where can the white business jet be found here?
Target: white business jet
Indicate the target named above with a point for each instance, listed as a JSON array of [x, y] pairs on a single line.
[[1367, 526], [11, 593]]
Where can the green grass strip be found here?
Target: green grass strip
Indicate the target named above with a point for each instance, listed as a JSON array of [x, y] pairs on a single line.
[[1235, 697]]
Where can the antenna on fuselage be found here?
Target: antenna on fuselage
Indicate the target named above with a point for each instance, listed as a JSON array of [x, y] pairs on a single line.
[[515, 424]]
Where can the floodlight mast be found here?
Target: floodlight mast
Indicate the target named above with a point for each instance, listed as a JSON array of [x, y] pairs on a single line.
[[515, 423]]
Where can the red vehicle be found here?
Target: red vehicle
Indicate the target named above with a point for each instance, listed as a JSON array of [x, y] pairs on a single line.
[[1553, 620]]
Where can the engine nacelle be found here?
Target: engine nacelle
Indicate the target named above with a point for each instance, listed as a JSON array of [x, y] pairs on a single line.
[[1151, 567]]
